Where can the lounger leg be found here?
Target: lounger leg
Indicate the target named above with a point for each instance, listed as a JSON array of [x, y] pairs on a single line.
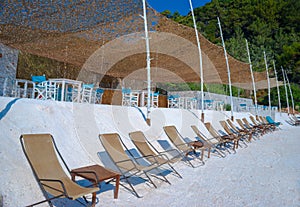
[[150, 180], [132, 188], [174, 170]]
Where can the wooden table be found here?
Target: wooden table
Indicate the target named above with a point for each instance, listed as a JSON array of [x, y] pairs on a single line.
[[199, 145], [102, 174]]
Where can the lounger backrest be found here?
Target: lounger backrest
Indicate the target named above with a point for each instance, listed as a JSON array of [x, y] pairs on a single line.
[[240, 123], [261, 119], [225, 127], [197, 132], [246, 123], [270, 120], [211, 130], [253, 120], [201, 136], [139, 140], [232, 125], [40, 151], [175, 137], [265, 120], [114, 147]]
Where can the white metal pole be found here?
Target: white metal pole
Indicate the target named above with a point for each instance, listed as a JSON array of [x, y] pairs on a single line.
[[5, 86], [148, 61], [290, 89], [268, 78], [286, 92], [278, 92], [200, 59], [252, 77], [228, 69]]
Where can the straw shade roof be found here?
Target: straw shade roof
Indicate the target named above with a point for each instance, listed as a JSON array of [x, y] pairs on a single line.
[[105, 38]]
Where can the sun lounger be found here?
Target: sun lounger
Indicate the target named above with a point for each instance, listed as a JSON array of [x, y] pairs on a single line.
[[262, 120], [272, 122], [128, 167], [45, 162], [251, 130], [232, 132], [258, 127], [213, 142], [148, 151], [293, 120], [227, 139], [242, 132], [185, 148]]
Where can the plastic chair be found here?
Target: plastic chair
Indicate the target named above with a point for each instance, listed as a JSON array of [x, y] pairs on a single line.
[[40, 87], [98, 93], [155, 99], [86, 93], [129, 97], [173, 101], [126, 96]]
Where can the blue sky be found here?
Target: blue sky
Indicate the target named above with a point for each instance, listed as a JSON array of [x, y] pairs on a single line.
[[182, 6]]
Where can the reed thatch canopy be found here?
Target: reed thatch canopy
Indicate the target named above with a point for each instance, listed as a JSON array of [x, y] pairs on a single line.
[[105, 38]]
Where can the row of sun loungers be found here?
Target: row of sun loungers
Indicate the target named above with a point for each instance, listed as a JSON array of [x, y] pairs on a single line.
[[46, 161], [294, 120]]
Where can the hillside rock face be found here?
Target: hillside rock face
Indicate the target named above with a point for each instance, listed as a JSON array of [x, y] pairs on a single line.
[[8, 68]]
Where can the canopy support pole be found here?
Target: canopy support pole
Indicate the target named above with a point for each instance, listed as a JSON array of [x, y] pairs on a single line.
[[148, 59], [228, 69], [200, 59], [278, 92], [268, 78], [290, 89], [253, 81], [286, 93]]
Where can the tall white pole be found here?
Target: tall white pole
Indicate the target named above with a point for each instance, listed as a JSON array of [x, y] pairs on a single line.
[[278, 92], [286, 92], [200, 59], [290, 89], [252, 77], [228, 69], [269, 90], [148, 62]]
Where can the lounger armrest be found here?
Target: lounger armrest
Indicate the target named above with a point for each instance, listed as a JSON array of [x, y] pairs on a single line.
[[147, 156], [164, 156], [227, 137], [209, 139], [182, 153], [170, 150], [183, 144], [57, 181], [219, 138], [125, 161]]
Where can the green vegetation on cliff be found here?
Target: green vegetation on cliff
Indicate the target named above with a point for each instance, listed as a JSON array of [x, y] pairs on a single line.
[[270, 25]]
